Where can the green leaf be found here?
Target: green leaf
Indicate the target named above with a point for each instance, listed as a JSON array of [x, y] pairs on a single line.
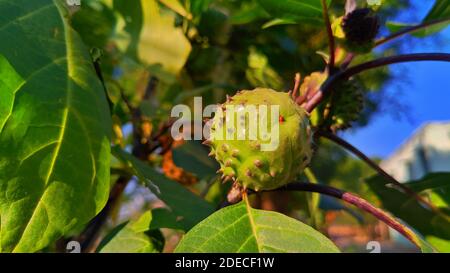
[[10, 82], [278, 22], [131, 11], [164, 218], [183, 203], [131, 237], [193, 157], [55, 144], [95, 23], [435, 185], [300, 11], [199, 6], [176, 6], [160, 41], [409, 210], [421, 33], [240, 228], [439, 12], [260, 73], [248, 13]]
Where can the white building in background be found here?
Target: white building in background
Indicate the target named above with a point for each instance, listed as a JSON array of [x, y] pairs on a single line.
[[427, 150]]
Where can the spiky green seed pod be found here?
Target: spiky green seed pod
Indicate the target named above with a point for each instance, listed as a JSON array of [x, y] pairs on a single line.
[[347, 104], [244, 160]]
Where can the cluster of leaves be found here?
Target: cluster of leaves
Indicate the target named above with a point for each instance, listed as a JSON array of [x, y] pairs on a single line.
[[61, 108]]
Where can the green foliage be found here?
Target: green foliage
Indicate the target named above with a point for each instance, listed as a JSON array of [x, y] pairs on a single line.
[[183, 203], [11, 82], [193, 157], [427, 222], [439, 12], [240, 228], [55, 123], [132, 237], [295, 10], [160, 42], [55, 147]]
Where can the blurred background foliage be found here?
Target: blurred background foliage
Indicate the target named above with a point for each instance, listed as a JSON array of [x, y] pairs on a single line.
[[158, 53]]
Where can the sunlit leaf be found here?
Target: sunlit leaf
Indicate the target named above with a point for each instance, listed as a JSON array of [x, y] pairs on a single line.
[[278, 22], [176, 6], [240, 228], [161, 42], [10, 82], [54, 146], [131, 237]]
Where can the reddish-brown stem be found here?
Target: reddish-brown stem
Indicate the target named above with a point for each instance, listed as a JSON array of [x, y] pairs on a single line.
[[344, 144], [347, 197], [296, 86], [354, 70], [331, 43], [348, 60], [356, 201], [409, 30]]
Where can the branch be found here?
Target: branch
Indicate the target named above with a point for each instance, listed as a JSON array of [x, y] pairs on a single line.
[[331, 44], [356, 201], [409, 30], [354, 70], [345, 196], [344, 144]]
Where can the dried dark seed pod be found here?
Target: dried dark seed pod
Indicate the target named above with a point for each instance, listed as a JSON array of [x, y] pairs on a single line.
[[360, 27]]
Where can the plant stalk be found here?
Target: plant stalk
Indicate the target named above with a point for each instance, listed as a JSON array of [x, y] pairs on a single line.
[[356, 201], [354, 70], [341, 142], [331, 42]]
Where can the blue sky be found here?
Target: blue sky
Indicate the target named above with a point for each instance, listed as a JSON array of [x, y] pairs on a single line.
[[424, 90]]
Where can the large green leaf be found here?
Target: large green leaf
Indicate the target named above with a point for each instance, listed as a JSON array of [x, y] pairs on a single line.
[[300, 11], [131, 237], [240, 228], [54, 146], [184, 204], [409, 210]]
